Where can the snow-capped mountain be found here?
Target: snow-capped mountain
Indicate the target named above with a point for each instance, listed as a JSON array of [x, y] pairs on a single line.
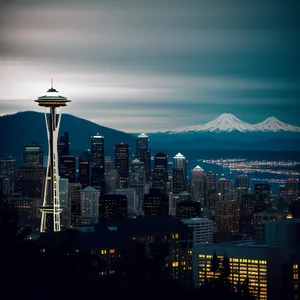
[[272, 124], [224, 123], [229, 123]]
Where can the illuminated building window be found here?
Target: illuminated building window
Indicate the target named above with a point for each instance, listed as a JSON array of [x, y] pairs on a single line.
[[111, 251], [103, 251], [175, 236], [175, 264]]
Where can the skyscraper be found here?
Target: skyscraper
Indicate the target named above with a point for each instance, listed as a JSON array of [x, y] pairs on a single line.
[[31, 174], [51, 204], [156, 203], [160, 172], [63, 144], [241, 185], [84, 169], [33, 155], [223, 187], [122, 164], [67, 167], [161, 160], [90, 204], [180, 163], [138, 180], [98, 162], [143, 153], [75, 203], [197, 188], [113, 207], [8, 170]]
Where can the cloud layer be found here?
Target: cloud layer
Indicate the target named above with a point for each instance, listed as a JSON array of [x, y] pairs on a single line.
[[153, 65]]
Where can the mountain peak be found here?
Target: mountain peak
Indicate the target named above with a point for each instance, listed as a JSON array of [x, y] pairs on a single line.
[[274, 125], [227, 122]]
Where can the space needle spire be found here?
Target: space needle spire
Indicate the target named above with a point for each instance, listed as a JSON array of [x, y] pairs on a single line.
[[50, 209]]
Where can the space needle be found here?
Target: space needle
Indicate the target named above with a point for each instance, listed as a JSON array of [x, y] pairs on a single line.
[[50, 209]]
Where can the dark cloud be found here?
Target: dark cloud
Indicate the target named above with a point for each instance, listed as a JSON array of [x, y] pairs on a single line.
[[195, 58]]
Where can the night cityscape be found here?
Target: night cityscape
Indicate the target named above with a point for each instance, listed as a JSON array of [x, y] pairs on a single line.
[[115, 181]]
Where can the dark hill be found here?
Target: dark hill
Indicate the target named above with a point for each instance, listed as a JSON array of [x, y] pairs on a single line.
[[19, 129]]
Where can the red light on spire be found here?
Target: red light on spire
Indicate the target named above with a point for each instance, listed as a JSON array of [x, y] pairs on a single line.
[[186, 161], [121, 143]]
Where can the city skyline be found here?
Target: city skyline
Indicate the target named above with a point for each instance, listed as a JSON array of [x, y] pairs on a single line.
[[153, 66]]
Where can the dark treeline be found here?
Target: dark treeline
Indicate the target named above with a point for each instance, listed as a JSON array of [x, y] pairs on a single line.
[[28, 273]]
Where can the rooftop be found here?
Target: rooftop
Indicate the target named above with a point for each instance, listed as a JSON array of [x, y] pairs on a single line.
[[148, 225], [90, 189], [142, 135], [223, 179], [179, 155], [197, 168]]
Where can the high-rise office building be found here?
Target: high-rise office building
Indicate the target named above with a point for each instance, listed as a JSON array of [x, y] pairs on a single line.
[[262, 191], [180, 163], [160, 172], [227, 219], [33, 155], [64, 202], [63, 145], [122, 164], [178, 180], [111, 181], [161, 160], [75, 203], [8, 170], [108, 163], [261, 218], [241, 185], [138, 180], [291, 190], [197, 187], [112, 207], [143, 153], [188, 209], [132, 203], [156, 203], [223, 186], [4, 185], [67, 167], [202, 229], [30, 181], [98, 162], [84, 169], [31, 174], [210, 189], [90, 204], [247, 209]]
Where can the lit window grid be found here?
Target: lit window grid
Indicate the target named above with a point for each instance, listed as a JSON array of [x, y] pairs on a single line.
[[240, 269]]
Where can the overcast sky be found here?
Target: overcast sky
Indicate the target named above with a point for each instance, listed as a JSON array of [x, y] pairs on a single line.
[[147, 65]]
